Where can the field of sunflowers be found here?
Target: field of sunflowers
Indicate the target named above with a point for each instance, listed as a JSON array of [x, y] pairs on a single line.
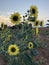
[[22, 44]]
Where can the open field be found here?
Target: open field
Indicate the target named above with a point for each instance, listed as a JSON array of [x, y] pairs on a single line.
[[43, 56]]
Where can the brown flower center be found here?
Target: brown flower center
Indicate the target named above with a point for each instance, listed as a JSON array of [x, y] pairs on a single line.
[[33, 11], [13, 49], [15, 18], [36, 23]]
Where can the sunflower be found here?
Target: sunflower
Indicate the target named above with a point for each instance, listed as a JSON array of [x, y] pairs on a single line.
[[33, 10], [36, 23], [13, 50], [15, 18], [2, 25], [30, 45], [42, 23]]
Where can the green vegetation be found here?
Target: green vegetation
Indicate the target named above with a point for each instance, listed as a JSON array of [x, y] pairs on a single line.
[[17, 43]]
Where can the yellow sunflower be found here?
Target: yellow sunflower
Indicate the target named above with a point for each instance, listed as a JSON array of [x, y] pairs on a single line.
[[42, 23], [13, 50], [2, 25], [15, 18], [34, 11], [30, 45], [36, 23]]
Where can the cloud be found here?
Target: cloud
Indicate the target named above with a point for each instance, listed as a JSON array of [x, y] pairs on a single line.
[[6, 20]]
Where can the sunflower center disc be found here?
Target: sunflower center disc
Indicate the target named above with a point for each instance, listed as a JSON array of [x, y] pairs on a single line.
[[33, 11], [15, 18], [13, 49], [36, 23], [30, 45]]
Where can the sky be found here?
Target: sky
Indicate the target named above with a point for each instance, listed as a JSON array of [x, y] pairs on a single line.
[[21, 6]]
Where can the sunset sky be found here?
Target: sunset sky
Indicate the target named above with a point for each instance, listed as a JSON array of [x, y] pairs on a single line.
[[21, 6]]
